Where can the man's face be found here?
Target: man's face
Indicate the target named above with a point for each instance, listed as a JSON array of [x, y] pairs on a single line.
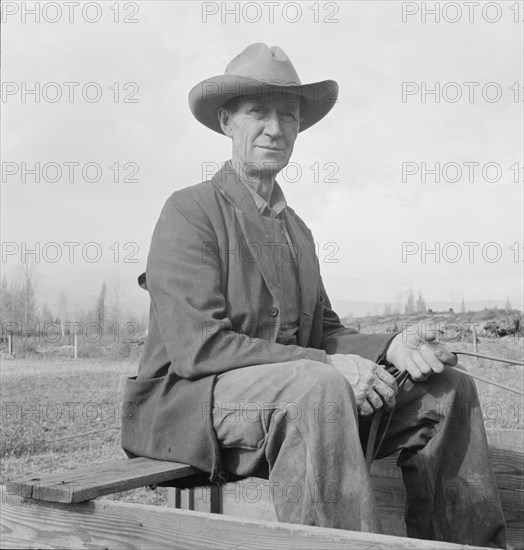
[[263, 131]]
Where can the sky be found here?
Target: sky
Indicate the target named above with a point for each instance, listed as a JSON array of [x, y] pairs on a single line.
[[361, 178]]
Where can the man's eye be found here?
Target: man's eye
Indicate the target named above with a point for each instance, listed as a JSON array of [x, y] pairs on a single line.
[[290, 116], [257, 110]]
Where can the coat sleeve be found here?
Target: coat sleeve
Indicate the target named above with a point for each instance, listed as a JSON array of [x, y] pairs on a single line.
[[336, 338], [190, 307]]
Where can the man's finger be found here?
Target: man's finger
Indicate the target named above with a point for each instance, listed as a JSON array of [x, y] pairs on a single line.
[[387, 394], [365, 409], [422, 364], [426, 332], [387, 378], [374, 400], [429, 354], [415, 372], [446, 357]]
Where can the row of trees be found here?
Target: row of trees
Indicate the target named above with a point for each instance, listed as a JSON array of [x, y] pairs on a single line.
[[412, 306], [18, 299], [20, 307], [409, 307]]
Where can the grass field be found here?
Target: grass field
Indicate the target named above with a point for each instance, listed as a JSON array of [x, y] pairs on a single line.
[[60, 413], [46, 403]]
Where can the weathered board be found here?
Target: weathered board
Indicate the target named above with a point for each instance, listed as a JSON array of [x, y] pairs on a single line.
[[96, 481], [112, 525]]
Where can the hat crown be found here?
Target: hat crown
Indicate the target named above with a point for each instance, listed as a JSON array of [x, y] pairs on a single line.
[[269, 65]]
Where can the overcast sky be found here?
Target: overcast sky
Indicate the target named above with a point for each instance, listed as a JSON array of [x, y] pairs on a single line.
[[359, 201]]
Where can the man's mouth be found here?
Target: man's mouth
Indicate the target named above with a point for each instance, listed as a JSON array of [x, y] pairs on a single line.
[[270, 148]]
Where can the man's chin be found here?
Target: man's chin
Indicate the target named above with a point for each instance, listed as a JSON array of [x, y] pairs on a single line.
[[265, 167]]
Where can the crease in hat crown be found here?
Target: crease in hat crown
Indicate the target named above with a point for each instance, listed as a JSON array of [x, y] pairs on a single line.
[[268, 65], [256, 70]]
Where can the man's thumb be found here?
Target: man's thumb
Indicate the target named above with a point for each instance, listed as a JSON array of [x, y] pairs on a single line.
[[428, 334]]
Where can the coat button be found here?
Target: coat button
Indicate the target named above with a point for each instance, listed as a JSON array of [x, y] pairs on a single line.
[[272, 311]]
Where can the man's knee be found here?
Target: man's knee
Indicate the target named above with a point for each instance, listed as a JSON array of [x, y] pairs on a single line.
[[314, 373], [460, 384], [322, 382], [454, 396], [318, 396]]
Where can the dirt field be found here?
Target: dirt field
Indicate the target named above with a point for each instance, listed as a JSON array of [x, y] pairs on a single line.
[[61, 413]]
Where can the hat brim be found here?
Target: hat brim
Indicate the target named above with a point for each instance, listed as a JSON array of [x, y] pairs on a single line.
[[210, 94]]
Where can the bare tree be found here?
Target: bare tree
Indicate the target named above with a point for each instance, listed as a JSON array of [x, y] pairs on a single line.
[[100, 311], [115, 299], [25, 304], [62, 311], [421, 304], [6, 302], [46, 316], [410, 304]]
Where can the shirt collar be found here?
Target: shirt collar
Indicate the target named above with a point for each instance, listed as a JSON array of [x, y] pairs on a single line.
[[277, 200]]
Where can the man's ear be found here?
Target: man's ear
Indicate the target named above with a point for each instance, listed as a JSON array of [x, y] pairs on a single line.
[[224, 117]]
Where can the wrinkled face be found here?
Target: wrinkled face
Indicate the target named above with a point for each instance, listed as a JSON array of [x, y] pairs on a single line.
[[263, 131]]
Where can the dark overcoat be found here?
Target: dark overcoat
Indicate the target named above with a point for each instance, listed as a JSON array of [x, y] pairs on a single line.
[[214, 307]]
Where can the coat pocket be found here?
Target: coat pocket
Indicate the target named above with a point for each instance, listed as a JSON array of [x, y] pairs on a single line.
[[241, 425], [138, 396]]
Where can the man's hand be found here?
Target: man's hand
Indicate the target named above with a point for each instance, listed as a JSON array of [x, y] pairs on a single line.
[[373, 386], [416, 351]]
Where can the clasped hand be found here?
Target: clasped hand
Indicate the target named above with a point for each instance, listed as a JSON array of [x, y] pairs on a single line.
[[414, 350], [372, 385], [417, 351]]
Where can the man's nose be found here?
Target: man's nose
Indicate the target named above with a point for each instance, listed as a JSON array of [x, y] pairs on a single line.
[[273, 127]]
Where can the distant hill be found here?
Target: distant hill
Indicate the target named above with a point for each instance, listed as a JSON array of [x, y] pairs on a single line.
[[450, 322], [345, 308]]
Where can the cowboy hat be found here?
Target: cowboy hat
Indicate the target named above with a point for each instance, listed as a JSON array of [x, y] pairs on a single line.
[[260, 69]]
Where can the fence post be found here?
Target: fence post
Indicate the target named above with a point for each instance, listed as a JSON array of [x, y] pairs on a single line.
[[10, 344], [76, 345], [475, 343]]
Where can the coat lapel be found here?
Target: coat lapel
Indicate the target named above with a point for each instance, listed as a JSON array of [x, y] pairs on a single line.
[[307, 272], [228, 183]]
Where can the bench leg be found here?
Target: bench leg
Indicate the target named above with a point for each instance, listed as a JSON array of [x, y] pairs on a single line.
[[200, 499]]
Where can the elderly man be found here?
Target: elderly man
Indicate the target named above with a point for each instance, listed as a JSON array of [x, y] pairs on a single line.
[[248, 371]]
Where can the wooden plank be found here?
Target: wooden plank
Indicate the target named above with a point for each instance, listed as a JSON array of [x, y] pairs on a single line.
[[107, 524], [507, 455], [11, 543], [390, 496], [248, 498], [89, 483]]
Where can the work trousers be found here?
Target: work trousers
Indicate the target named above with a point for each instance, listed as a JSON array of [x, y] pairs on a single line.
[[296, 425]]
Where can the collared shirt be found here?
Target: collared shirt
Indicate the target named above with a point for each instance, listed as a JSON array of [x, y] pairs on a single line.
[[274, 209], [277, 200], [286, 260]]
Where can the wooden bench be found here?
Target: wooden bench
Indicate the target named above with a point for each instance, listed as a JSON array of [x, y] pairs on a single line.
[[60, 511]]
